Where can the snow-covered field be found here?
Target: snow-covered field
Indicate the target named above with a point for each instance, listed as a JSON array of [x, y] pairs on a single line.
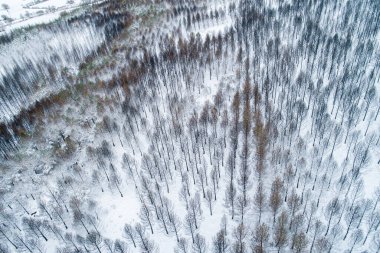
[[205, 127], [22, 13]]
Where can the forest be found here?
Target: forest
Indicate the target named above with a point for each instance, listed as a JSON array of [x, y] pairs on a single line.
[[193, 126]]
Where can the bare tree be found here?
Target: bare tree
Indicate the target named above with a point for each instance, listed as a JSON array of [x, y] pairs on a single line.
[[130, 234], [195, 209], [242, 206], [317, 229], [240, 233], [322, 244], [35, 227], [209, 199], [298, 221], [294, 204], [182, 246], [174, 224], [35, 245], [357, 236], [332, 210], [366, 205], [275, 197], [43, 206], [95, 240], [260, 200], [373, 222], [336, 232], [190, 225], [377, 242], [230, 198], [83, 242], [215, 180], [281, 232], [145, 244], [56, 230], [164, 219], [184, 194], [24, 245], [220, 242], [115, 179], [300, 242], [352, 217], [146, 215], [120, 246], [3, 234], [199, 245], [70, 238], [80, 218], [260, 238], [202, 181]]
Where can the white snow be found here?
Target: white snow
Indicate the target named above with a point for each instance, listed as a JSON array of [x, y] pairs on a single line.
[[152, 134]]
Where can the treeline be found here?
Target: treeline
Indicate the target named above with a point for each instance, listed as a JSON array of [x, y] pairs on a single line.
[[18, 104], [24, 75]]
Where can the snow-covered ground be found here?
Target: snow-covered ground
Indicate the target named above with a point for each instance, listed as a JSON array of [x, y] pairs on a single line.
[[22, 13], [152, 124]]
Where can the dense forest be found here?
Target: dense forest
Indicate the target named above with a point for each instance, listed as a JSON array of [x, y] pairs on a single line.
[[37, 62], [194, 126]]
